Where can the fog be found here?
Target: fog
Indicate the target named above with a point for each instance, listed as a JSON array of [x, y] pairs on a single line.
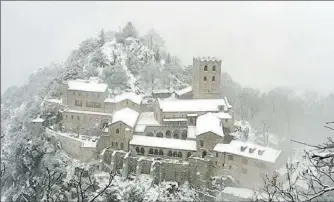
[[262, 44]]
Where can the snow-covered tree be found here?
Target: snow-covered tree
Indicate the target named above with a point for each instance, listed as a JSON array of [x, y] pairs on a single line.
[[101, 39], [129, 30], [115, 76]]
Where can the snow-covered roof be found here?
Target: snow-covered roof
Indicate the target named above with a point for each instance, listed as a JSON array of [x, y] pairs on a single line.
[[161, 91], [37, 120], [87, 112], [249, 150], [109, 100], [140, 128], [184, 90], [175, 120], [191, 132], [227, 103], [191, 105], [85, 86], [243, 193], [192, 115], [127, 116], [223, 115], [54, 100], [208, 58], [209, 123], [129, 96], [158, 142], [147, 118]]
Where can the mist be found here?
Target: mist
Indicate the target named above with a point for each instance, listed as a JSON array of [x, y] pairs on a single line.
[[262, 44]]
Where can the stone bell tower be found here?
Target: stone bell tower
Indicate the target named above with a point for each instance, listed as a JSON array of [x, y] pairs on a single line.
[[206, 78]]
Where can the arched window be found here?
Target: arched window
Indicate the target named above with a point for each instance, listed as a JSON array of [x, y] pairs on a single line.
[[179, 154], [184, 135], [175, 154], [192, 121], [203, 154], [149, 134], [142, 150], [150, 151], [137, 149], [161, 153], [170, 153], [205, 68], [188, 154], [168, 134], [205, 78], [214, 68], [159, 134], [156, 152], [213, 78], [117, 131], [176, 134], [122, 145]]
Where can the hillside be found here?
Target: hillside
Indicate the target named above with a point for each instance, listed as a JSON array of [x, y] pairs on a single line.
[[129, 62]]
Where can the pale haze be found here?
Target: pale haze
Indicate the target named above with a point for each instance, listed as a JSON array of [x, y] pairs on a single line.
[[262, 44]]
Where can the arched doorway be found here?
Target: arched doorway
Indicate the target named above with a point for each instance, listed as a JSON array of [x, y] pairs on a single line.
[[184, 135], [168, 134], [160, 134]]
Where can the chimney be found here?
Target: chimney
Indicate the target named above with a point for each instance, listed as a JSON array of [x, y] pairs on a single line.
[[243, 148], [251, 150], [260, 152]]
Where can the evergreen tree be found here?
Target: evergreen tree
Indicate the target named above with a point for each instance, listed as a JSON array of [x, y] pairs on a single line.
[[129, 30], [101, 40]]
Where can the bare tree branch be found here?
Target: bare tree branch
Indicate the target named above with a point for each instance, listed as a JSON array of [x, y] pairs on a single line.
[[111, 177]]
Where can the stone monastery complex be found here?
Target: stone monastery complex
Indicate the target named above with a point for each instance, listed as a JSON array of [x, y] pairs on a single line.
[[180, 136]]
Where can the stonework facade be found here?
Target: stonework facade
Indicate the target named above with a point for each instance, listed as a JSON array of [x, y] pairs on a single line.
[[186, 137]]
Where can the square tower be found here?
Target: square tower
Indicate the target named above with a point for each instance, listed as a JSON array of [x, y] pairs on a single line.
[[206, 78]]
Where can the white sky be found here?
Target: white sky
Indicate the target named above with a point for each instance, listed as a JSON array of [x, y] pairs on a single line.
[[263, 44]]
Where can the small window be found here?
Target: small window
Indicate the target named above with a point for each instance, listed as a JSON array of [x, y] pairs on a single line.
[[116, 143], [205, 68], [78, 118], [137, 149], [150, 151], [244, 171], [117, 131], [79, 94], [122, 145], [112, 144], [127, 102], [245, 161], [217, 155], [201, 142], [213, 79], [214, 68], [204, 78], [230, 157], [223, 165], [72, 116]]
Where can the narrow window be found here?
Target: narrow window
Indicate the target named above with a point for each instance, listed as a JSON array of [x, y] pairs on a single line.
[[230, 157], [78, 118], [201, 143], [213, 78], [205, 68], [72, 116], [150, 151], [117, 131], [122, 145], [205, 78], [214, 68]]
